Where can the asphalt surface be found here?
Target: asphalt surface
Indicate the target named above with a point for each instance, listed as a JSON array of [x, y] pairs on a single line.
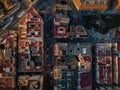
[[48, 49]]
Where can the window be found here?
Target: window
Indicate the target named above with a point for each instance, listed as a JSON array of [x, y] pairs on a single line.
[[33, 33], [35, 16], [82, 66], [28, 63], [70, 50], [31, 25], [61, 30], [78, 49]]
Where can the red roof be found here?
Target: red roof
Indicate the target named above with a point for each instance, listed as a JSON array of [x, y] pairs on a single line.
[[32, 11], [86, 88], [23, 56], [104, 53], [101, 80], [85, 79], [22, 21], [118, 46], [6, 83], [119, 69], [109, 80], [100, 53], [87, 58], [109, 69], [32, 21], [85, 75], [85, 83], [101, 69], [36, 44], [119, 78], [117, 33], [1, 69]]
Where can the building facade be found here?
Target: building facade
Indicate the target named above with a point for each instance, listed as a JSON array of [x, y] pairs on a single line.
[[31, 41]]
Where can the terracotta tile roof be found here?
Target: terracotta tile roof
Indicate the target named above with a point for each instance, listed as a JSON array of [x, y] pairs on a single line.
[[6, 83]]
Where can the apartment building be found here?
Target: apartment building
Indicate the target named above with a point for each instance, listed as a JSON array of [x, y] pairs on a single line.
[[31, 41], [91, 4], [104, 63]]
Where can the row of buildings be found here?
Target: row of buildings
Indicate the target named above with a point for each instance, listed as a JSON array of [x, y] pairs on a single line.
[[27, 82], [104, 63], [69, 68], [94, 4], [108, 57], [116, 63], [30, 50], [72, 69], [28, 42], [62, 29], [7, 60], [82, 49], [116, 33], [74, 62], [31, 41]]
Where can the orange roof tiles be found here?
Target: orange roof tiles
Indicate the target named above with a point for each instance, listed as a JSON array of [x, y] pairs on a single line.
[[61, 20], [93, 6], [32, 11], [87, 58], [8, 5], [118, 4], [6, 83], [79, 5], [30, 30], [23, 20], [6, 64]]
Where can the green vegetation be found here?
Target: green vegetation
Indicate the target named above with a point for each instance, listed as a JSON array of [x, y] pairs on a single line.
[[110, 23], [106, 22], [72, 59]]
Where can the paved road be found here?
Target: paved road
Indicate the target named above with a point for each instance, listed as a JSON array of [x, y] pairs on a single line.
[[48, 57], [12, 14], [48, 46]]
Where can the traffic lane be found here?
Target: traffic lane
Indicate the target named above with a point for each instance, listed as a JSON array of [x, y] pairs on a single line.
[[3, 21], [13, 11], [4, 28], [23, 7]]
